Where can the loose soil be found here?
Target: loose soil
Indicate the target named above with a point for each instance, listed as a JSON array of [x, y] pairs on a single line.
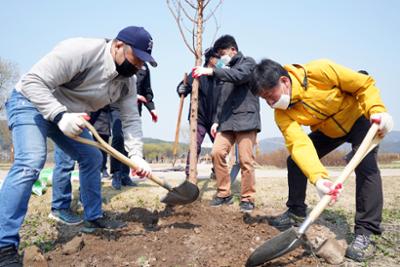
[[192, 235]]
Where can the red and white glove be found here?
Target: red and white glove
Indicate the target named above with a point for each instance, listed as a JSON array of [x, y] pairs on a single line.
[[214, 129], [141, 99], [385, 122], [144, 169], [72, 124], [325, 186], [154, 115], [200, 71]]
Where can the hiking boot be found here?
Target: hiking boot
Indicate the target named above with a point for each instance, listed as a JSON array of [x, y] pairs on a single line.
[[102, 223], [246, 206], [361, 249], [116, 182], [9, 257], [105, 174], [218, 201], [126, 181], [286, 220], [65, 216]]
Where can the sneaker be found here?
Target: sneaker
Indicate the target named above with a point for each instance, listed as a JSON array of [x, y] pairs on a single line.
[[361, 249], [246, 206], [105, 174], [9, 257], [65, 216], [116, 182], [126, 181], [102, 223], [218, 201], [286, 220]]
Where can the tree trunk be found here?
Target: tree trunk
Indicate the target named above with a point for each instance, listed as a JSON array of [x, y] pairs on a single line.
[[195, 98]]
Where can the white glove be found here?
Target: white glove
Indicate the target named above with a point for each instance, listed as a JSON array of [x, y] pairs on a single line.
[[144, 169], [213, 130], [325, 186], [72, 124], [385, 122], [200, 71]]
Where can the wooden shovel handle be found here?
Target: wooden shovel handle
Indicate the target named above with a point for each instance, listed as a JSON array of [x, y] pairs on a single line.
[[371, 140], [101, 144], [178, 122]]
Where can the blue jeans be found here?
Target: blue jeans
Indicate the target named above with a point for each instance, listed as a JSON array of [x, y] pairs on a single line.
[[62, 189], [117, 142], [29, 132]]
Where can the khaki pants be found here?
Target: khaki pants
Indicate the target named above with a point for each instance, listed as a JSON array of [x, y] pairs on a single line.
[[222, 146]]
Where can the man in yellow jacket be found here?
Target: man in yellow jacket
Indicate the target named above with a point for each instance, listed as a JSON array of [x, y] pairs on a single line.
[[338, 104]]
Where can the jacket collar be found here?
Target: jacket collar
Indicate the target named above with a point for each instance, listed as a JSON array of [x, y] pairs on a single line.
[[110, 70], [297, 75], [235, 58]]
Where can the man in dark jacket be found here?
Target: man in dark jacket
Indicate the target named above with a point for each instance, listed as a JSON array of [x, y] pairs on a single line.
[[208, 101], [237, 120], [145, 93]]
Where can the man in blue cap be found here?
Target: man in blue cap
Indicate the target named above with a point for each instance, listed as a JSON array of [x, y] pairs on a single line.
[[78, 76]]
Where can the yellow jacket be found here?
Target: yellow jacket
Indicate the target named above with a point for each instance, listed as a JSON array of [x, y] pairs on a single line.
[[334, 98]]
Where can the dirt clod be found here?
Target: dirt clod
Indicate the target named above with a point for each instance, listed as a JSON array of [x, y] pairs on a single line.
[[34, 258], [73, 246], [332, 251]]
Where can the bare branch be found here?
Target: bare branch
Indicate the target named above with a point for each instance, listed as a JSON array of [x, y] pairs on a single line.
[[213, 12], [191, 4], [177, 18], [186, 14], [206, 3], [217, 27]]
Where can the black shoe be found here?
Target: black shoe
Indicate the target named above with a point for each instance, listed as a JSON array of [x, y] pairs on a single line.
[[9, 257], [126, 181], [246, 206], [361, 249], [286, 220], [116, 182], [102, 223], [218, 201]]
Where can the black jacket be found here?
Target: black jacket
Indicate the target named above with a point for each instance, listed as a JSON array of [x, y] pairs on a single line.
[[144, 88], [208, 99], [238, 108]]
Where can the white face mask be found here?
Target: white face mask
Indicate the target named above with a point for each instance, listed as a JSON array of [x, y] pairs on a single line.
[[283, 102], [226, 59]]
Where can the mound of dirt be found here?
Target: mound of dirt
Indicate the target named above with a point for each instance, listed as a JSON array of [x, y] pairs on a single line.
[[191, 235]]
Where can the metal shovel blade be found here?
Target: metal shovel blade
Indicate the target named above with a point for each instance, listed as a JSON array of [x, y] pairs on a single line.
[[185, 193], [275, 247]]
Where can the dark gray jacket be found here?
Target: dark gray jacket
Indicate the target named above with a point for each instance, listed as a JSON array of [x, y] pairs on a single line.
[[238, 108]]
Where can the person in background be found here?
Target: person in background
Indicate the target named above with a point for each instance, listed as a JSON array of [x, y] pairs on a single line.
[[208, 101], [339, 105], [237, 121]]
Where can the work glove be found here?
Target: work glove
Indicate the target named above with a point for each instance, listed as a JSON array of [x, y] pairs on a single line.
[[385, 122], [72, 124], [181, 89], [141, 99], [200, 71], [325, 186], [214, 129], [143, 170], [154, 115]]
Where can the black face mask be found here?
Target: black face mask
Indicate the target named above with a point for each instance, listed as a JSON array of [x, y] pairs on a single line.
[[126, 69]]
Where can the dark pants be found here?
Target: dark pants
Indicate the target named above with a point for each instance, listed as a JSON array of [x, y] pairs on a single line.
[[369, 196], [201, 133], [117, 142], [105, 137]]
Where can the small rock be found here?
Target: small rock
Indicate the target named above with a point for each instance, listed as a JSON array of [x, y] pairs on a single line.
[[197, 230], [33, 257], [332, 251], [73, 246]]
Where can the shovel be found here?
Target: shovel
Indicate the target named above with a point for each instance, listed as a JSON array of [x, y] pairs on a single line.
[[178, 123], [293, 238], [183, 194]]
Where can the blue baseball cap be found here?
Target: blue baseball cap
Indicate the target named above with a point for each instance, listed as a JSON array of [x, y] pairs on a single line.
[[140, 41]]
